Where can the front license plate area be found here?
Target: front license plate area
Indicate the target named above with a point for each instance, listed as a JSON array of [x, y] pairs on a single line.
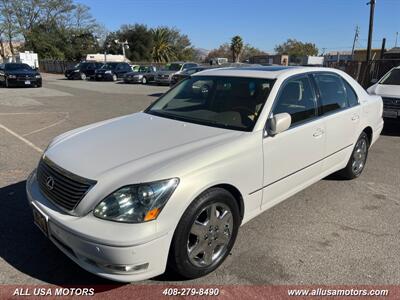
[[40, 220], [27, 82]]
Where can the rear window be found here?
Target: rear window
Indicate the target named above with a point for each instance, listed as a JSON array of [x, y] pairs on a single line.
[[333, 94]]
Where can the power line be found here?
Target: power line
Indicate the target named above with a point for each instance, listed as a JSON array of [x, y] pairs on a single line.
[[355, 40]]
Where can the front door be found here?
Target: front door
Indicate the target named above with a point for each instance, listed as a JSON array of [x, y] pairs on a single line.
[[293, 159]]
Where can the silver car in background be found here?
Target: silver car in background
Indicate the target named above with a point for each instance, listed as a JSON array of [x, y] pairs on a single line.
[[164, 76]]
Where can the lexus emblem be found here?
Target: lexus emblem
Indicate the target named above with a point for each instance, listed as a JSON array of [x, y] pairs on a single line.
[[50, 182]]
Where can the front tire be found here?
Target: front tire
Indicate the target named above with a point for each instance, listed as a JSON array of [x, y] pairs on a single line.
[[144, 80], [114, 77], [358, 158], [205, 234], [83, 76]]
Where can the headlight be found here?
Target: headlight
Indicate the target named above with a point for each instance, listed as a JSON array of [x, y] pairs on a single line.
[[12, 76], [37, 76], [76, 71], [108, 72], [136, 203]]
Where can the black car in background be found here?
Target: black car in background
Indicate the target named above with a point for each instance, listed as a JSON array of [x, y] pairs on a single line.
[[83, 70], [19, 74], [185, 74], [112, 71], [144, 75]]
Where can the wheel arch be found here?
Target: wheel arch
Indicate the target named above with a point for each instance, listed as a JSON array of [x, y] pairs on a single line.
[[369, 132], [235, 193]]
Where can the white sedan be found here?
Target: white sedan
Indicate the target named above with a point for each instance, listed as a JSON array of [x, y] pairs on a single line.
[[173, 183], [389, 88]]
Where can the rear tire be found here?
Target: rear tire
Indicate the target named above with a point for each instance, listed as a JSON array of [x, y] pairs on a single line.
[[205, 234], [114, 77], [358, 158]]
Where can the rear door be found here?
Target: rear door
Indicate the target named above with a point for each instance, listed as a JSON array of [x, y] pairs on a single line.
[[341, 111], [293, 158]]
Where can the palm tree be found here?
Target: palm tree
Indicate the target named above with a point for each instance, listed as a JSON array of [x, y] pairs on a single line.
[[236, 47], [162, 50]]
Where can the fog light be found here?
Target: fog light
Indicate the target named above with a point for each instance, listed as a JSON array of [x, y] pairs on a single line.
[[127, 268]]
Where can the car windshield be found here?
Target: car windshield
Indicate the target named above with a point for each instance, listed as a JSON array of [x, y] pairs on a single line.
[[392, 78], [173, 67], [18, 67], [227, 102], [109, 66]]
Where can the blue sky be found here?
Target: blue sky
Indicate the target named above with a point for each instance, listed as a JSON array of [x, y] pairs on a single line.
[[262, 23]]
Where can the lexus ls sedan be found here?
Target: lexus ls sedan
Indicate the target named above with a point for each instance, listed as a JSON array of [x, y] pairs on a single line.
[[174, 183]]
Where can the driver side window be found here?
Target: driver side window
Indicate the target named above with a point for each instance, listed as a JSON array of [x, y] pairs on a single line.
[[297, 98]]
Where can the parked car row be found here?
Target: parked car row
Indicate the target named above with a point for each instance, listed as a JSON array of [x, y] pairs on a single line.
[[113, 71]]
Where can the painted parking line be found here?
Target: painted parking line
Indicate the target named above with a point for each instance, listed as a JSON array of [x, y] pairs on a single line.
[[21, 138]]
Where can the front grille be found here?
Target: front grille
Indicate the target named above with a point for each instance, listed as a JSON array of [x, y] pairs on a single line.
[[393, 103], [23, 78], [61, 187]]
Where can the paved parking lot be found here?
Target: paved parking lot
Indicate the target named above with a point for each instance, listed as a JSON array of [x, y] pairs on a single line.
[[335, 232]]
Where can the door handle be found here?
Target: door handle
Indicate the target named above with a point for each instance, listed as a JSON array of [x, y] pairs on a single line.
[[318, 132], [355, 117]]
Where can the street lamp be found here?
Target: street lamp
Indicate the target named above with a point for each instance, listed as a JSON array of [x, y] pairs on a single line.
[[124, 46]]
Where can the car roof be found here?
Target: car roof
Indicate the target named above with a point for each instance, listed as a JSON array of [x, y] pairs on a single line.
[[270, 72]]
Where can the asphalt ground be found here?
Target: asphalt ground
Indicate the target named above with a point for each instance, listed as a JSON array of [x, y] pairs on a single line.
[[334, 232]]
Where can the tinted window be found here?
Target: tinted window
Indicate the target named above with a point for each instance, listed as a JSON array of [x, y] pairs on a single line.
[[333, 94], [392, 78], [228, 102], [297, 98], [351, 94], [17, 66]]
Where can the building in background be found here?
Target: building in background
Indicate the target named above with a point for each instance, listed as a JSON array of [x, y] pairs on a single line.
[[338, 56], [361, 54], [267, 59], [393, 53], [5, 49]]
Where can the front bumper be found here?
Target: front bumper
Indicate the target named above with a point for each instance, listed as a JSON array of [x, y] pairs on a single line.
[[103, 76], [20, 82], [146, 257], [160, 80], [133, 79]]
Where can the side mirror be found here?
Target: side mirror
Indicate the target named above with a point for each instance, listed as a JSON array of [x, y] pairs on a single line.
[[279, 123], [374, 80]]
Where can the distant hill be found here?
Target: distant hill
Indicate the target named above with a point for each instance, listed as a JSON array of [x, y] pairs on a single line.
[[201, 53]]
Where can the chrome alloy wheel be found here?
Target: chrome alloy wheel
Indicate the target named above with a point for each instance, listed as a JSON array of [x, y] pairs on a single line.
[[359, 156], [210, 235]]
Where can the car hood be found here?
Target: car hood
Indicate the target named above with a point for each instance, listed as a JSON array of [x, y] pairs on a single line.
[[97, 149], [386, 90], [134, 73], [166, 72], [22, 72]]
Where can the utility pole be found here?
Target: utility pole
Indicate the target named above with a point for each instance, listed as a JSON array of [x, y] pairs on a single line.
[[383, 48], [395, 43], [371, 27], [354, 41]]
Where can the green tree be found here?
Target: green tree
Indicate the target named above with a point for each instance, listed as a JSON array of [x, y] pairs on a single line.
[[296, 49], [139, 39], [222, 51], [249, 51], [162, 50], [236, 48]]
